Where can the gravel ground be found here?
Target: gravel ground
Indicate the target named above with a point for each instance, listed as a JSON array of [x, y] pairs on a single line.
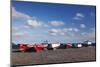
[[83, 54]]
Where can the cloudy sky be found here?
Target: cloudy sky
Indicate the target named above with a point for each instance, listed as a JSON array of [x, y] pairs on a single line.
[[37, 22]]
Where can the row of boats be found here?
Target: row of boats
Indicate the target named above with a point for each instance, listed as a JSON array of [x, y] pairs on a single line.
[[52, 46]]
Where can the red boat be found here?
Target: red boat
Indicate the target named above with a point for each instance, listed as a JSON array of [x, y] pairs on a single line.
[[35, 47], [69, 45]]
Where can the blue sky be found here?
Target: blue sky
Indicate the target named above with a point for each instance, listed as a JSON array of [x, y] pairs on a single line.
[[34, 22]]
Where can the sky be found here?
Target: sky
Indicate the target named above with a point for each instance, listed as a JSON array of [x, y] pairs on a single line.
[[34, 22]]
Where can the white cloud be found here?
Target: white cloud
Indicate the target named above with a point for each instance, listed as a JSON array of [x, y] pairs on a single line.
[[53, 34], [56, 23], [70, 29], [54, 31], [20, 34], [15, 29], [78, 16], [67, 29], [75, 29], [31, 21], [34, 23], [19, 15], [25, 26], [88, 35], [82, 25], [63, 31]]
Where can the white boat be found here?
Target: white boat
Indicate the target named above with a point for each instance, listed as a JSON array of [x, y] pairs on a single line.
[[79, 45], [53, 46]]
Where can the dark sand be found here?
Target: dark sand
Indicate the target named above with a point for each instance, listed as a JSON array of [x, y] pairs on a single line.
[[83, 54]]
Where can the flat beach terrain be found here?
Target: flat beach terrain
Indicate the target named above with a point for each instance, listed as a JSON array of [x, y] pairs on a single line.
[[83, 54]]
